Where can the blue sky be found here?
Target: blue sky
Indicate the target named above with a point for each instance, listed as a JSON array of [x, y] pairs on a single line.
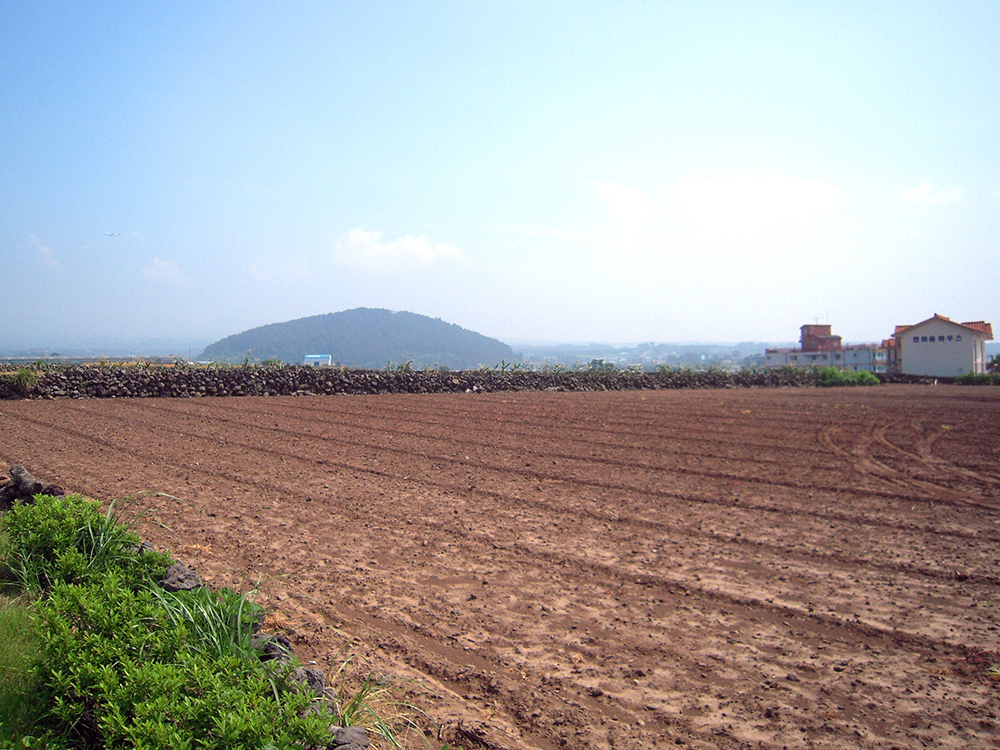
[[566, 171]]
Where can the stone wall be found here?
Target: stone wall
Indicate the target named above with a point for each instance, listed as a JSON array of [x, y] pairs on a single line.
[[156, 381]]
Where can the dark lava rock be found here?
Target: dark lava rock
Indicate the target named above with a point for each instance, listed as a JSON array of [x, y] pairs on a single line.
[[310, 678], [138, 549], [178, 577], [272, 646], [348, 738], [22, 488]]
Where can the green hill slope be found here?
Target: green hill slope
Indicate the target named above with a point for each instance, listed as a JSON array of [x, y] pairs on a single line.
[[364, 338]]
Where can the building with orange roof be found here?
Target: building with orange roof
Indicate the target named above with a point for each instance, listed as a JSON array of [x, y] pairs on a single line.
[[938, 346], [942, 347]]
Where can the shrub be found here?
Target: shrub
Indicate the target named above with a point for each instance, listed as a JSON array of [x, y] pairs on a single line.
[[105, 658], [67, 539], [978, 378], [117, 671], [827, 377]]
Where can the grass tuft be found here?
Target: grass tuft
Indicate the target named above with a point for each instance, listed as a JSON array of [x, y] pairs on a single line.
[[18, 653], [219, 622], [67, 539]]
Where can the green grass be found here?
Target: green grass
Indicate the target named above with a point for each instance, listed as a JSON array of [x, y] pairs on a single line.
[[18, 653], [827, 377], [979, 378], [93, 654], [24, 380], [219, 622], [67, 539]]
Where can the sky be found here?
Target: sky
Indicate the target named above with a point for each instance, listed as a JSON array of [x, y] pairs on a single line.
[[547, 171]]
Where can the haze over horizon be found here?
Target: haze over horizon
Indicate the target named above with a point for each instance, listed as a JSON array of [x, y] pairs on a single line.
[[530, 171]]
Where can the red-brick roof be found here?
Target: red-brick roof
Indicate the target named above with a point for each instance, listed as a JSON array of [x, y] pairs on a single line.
[[979, 326]]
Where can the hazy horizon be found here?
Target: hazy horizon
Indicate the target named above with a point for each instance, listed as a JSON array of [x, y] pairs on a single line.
[[155, 346], [573, 172]]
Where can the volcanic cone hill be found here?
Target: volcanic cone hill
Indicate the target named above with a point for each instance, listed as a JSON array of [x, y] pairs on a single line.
[[364, 338]]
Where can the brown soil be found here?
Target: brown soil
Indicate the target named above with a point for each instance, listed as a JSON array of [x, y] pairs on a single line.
[[741, 568]]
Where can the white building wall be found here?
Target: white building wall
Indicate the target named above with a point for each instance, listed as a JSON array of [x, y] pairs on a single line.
[[774, 360], [799, 358], [941, 348], [859, 359], [317, 360], [865, 359]]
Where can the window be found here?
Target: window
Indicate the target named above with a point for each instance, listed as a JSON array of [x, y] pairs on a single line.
[[794, 358]]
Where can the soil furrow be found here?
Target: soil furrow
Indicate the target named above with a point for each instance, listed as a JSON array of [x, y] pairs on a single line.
[[796, 568]]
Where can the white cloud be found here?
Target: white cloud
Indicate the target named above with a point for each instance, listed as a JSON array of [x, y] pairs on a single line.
[[924, 194], [166, 271], [363, 249], [45, 251]]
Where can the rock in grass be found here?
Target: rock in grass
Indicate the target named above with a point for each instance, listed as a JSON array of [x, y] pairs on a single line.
[[309, 678], [348, 738], [178, 577], [142, 547], [272, 646]]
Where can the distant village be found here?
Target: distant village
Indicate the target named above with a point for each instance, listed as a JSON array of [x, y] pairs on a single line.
[[938, 347]]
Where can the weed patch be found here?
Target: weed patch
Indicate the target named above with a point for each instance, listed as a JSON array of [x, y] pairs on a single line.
[[18, 654], [94, 654], [67, 539], [829, 377], [978, 378]]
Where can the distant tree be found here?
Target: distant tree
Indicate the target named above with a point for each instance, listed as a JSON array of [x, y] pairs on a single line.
[[993, 364]]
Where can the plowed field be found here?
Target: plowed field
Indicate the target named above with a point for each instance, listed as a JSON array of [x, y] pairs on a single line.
[[738, 568]]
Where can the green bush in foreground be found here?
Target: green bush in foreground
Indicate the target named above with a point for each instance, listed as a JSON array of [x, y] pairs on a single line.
[[107, 659], [115, 670], [18, 652], [68, 539], [829, 377]]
